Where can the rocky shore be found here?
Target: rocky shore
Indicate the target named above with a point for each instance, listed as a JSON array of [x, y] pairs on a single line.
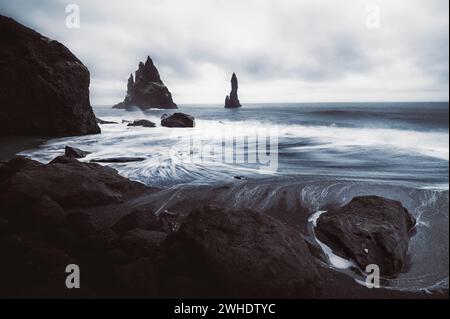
[[68, 212]]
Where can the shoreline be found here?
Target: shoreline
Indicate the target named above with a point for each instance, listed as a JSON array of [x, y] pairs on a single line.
[[176, 205]]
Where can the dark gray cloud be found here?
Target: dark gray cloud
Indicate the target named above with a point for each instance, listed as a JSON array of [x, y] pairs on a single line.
[[284, 50]]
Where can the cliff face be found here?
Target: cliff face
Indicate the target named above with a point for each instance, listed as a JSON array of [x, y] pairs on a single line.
[[146, 90], [232, 100], [44, 88]]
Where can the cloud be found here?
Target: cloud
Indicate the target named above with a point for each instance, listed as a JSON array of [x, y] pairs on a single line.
[[282, 51]]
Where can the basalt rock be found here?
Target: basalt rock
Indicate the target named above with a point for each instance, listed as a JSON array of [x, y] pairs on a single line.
[[44, 87], [143, 123], [146, 90], [73, 152], [69, 184], [100, 121], [241, 253], [369, 230], [232, 100], [177, 120]]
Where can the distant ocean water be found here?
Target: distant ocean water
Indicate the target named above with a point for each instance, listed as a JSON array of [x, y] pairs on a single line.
[[326, 153]]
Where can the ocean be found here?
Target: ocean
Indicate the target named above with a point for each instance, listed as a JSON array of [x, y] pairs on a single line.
[[278, 156]]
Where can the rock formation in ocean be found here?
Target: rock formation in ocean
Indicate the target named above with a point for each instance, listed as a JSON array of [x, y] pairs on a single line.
[[146, 90], [177, 120], [369, 230], [144, 123], [44, 88], [232, 100]]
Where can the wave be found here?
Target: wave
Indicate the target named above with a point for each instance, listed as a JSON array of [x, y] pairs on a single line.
[[172, 155]]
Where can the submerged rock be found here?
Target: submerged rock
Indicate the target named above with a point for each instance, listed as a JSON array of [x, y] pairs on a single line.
[[242, 253], [100, 121], [73, 152], [118, 160], [369, 230], [232, 100], [144, 123], [146, 90], [177, 120], [44, 87]]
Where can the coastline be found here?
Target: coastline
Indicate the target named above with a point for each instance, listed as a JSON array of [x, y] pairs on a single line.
[[173, 206]]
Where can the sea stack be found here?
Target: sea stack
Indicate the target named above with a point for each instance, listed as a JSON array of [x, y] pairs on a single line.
[[146, 90], [232, 100], [44, 87]]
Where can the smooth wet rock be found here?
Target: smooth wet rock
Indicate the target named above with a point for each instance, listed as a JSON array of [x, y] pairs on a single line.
[[232, 100], [144, 123], [73, 152], [242, 253], [177, 120], [369, 230], [146, 90], [44, 87]]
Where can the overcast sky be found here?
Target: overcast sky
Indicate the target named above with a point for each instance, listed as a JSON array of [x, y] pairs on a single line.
[[282, 51]]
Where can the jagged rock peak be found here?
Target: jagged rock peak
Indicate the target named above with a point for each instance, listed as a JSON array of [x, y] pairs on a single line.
[[146, 90], [147, 72]]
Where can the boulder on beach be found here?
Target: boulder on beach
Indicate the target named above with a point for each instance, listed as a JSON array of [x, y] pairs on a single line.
[[241, 253], [369, 230], [44, 87], [73, 152], [232, 100], [69, 184], [146, 90], [177, 120], [144, 123]]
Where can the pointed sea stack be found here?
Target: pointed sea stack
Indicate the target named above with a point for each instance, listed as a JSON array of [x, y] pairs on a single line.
[[232, 100], [146, 90]]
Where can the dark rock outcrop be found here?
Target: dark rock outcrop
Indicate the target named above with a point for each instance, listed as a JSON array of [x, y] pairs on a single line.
[[44, 87], [146, 90], [124, 250], [144, 123], [73, 152], [241, 254], [70, 184], [100, 121], [138, 219], [118, 160], [232, 100], [369, 230], [177, 120]]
